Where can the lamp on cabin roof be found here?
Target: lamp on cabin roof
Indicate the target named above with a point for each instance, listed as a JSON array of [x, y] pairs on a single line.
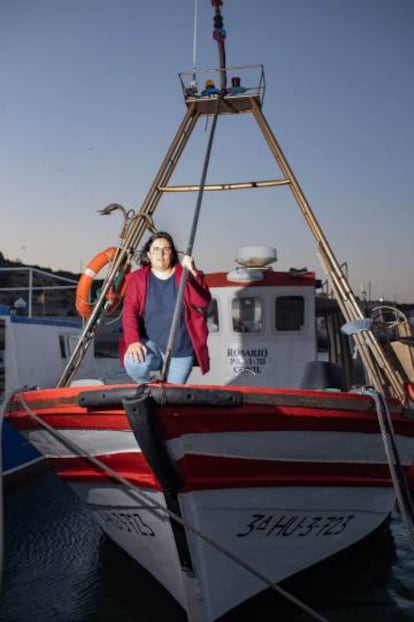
[[256, 256]]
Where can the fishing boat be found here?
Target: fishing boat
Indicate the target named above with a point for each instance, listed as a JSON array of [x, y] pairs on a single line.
[[278, 458]]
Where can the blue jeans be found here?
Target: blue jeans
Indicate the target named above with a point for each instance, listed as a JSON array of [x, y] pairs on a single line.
[[178, 372]]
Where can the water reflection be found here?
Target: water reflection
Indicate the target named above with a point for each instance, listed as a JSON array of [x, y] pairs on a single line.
[[60, 567]]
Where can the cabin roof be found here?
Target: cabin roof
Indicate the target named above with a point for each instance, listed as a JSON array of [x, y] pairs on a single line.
[[270, 279]]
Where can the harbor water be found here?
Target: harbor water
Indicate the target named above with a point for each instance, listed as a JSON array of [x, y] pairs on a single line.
[[59, 567]]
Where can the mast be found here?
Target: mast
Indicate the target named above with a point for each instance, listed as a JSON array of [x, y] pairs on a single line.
[[133, 233], [237, 99], [219, 34]]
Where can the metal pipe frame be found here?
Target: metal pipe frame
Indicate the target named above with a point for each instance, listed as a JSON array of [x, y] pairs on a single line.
[[345, 296], [379, 371], [242, 185], [128, 244]]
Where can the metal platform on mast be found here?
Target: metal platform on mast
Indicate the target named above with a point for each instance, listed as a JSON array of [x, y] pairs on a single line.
[[247, 84]]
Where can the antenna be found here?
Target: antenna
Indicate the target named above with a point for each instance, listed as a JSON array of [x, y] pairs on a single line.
[[195, 42]]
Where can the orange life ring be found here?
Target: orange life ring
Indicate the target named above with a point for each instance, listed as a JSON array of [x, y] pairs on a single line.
[[83, 290]]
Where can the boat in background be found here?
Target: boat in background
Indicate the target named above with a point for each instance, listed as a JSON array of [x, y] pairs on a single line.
[[34, 351], [272, 462], [19, 458]]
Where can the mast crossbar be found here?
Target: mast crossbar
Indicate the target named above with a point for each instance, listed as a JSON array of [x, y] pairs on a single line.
[[243, 185]]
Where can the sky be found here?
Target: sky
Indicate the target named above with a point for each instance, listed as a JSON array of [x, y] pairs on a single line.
[[90, 101]]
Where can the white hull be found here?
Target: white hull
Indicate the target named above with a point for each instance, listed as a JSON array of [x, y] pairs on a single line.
[[277, 532], [146, 535], [260, 498]]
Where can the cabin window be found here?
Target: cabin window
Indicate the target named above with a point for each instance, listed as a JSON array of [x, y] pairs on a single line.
[[67, 344], [289, 313], [106, 342], [212, 316], [247, 314], [62, 347]]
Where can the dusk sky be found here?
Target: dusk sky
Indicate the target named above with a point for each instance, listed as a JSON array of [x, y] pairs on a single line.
[[90, 101]]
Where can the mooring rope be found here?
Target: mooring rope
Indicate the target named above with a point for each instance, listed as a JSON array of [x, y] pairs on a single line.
[[402, 491], [133, 491]]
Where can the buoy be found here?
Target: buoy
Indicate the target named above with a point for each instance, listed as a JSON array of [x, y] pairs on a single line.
[[83, 291]]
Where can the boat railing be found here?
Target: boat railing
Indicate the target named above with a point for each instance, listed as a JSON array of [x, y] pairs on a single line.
[[241, 81], [33, 288]]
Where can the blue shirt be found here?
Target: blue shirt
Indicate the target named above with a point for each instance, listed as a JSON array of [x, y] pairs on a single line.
[[159, 310]]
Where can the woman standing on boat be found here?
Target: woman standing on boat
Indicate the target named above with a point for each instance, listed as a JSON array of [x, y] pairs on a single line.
[[148, 310]]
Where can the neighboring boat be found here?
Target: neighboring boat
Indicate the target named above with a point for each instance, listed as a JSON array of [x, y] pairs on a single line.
[[19, 458], [34, 352], [272, 462]]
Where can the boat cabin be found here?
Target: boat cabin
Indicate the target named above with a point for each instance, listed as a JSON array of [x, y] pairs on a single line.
[[262, 328], [265, 327]]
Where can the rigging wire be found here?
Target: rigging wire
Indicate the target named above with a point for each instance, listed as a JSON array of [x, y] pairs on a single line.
[[402, 492]]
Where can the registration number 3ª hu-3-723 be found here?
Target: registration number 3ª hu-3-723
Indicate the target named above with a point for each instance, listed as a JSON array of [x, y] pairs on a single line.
[[285, 525]]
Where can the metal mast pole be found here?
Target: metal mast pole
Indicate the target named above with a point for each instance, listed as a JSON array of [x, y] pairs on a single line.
[[379, 369], [130, 242], [219, 34]]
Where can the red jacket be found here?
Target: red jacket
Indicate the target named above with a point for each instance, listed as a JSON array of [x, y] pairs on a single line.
[[196, 299]]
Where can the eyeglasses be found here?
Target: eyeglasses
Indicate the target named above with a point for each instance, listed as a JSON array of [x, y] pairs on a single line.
[[161, 249]]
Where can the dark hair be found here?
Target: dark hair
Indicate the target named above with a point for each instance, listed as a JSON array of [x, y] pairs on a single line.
[[143, 257]]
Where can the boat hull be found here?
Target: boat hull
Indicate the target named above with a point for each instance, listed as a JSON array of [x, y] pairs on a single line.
[[20, 459], [244, 531], [254, 486]]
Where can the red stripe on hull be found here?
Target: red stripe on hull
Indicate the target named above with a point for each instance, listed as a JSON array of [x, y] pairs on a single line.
[[130, 465], [210, 472], [176, 421], [259, 418], [61, 420], [216, 472]]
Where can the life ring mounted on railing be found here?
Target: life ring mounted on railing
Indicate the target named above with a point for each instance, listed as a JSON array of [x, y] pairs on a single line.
[[83, 302]]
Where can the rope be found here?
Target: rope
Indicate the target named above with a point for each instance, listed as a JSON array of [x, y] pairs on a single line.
[[3, 410], [402, 492], [189, 249], [152, 503]]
